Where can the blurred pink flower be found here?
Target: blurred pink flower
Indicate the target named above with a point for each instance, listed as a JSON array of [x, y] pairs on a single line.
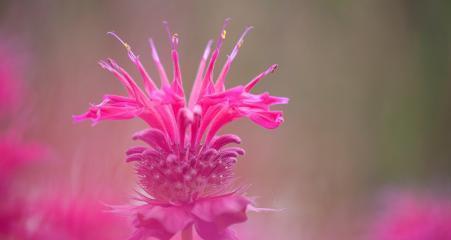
[[15, 153], [78, 218], [14, 150], [414, 217], [59, 218], [187, 168], [12, 216], [43, 217]]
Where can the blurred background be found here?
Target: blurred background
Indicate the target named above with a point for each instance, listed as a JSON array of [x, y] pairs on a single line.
[[369, 83]]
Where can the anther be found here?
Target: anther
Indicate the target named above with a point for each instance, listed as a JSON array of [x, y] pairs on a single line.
[[223, 34], [274, 68], [175, 38]]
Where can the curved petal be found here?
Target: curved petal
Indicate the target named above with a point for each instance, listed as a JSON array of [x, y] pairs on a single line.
[[112, 107], [267, 119], [159, 221], [215, 215]]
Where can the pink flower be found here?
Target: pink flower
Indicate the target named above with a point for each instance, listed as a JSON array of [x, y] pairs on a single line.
[[187, 167], [62, 218], [16, 152], [12, 216], [59, 218], [414, 217]]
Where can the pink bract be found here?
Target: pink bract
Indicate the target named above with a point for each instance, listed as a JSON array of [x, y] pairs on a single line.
[[187, 167]]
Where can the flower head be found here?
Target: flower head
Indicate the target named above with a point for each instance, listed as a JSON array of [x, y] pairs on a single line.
[[187, 167]]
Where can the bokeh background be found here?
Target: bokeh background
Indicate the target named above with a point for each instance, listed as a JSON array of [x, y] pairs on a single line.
[[369, 83]]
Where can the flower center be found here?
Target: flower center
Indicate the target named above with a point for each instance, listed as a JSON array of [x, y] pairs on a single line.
[[181, 175]]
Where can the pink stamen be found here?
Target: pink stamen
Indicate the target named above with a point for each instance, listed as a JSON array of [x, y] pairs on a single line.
[[149, 84], [177, 75], [208, 79], [219, 86]]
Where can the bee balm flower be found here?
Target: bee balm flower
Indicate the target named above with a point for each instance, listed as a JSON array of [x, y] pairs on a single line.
[[187, 167]]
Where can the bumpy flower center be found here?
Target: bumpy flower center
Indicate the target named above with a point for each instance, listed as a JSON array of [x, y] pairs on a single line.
[[182, 173]]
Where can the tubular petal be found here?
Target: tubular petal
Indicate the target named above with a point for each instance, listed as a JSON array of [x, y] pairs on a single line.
[[200, 73], [257, 79], [160, 68], [162, 222], [223, 140]]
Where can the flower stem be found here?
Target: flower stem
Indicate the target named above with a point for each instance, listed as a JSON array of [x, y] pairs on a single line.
[[187, 233]]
